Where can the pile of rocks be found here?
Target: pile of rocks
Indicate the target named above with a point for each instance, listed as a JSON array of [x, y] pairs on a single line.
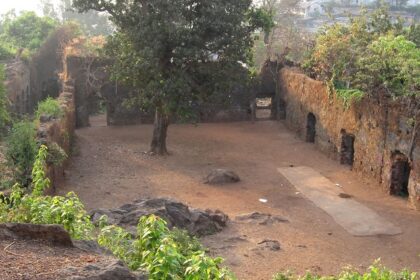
[[196, 222]]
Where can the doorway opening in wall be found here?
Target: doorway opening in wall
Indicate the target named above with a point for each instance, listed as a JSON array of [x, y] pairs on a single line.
[[97, 109], [263, 108], [310, 128], [400, 174], [347, 148]]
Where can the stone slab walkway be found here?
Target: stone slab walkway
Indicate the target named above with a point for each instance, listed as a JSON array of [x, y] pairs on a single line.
[[354, 217]]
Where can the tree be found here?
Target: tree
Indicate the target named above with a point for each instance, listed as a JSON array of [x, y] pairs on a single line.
[[27, 31], [177, 53]]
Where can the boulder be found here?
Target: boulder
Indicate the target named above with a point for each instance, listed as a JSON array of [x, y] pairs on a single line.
[[196, 222], [109, 270], [54, 234], [221, 176]]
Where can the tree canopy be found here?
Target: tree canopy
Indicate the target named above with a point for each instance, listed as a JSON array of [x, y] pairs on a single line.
[[371, 55], [24, 32], [177, 53]]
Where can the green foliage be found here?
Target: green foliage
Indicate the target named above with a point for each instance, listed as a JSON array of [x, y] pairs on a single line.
[[7, 50], [49, 107], [391, 63], [27, 31], [375, 272], [165, 254], [4, 114], [177, 54], [35, 208], [21, 150], [40, 182], [262, 18], [372, 54]]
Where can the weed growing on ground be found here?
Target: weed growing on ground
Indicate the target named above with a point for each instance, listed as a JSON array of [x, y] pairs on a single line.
[[49, 107], [375, 272]]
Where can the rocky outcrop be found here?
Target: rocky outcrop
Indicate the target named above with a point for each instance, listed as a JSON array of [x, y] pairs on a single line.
[[105, 270], [176, 214], [221, 177], [53, 234]]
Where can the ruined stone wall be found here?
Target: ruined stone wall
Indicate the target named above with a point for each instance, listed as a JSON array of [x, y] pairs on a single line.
[[60, 131], [79, 69], [380, 128], [47, 64], [18, 86]]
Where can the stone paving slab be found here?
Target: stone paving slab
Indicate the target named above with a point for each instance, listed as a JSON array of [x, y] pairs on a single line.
[[354, 217]]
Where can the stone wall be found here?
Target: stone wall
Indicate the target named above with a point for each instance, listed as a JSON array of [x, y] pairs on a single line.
[[59, 131], [100, 88], [382, 129], [18, 85]]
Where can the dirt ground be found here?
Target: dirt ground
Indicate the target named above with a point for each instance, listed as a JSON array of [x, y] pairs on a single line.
[[34, 260], [109, 168]]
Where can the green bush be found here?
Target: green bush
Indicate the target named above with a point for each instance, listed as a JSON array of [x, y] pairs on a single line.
[[26, 31], [165, 254], [370, 55], [49, 107], [21, 150], [375, 272], [35, 208], [4, 114]]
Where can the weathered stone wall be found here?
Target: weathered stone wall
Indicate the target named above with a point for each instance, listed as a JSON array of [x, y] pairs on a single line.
[[113, 94], [60, 131], [47, 64], [18, 86], [380, 127]]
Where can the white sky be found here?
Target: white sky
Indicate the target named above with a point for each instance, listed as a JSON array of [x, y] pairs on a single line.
[[19, 5]]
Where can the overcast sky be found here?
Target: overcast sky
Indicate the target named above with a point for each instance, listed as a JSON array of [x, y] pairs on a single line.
[[19, 5]]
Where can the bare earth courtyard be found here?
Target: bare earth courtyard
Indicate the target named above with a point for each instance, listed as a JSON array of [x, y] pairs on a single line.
[[109, 169]]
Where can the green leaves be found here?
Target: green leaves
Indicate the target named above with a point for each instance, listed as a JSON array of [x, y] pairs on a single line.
[[27, 31], [178, 53], [371, 55], [375, 272], [40, 181], [393, 63], [36, 208], [21, 150], [165, 254], [49, 107], [4, 114]]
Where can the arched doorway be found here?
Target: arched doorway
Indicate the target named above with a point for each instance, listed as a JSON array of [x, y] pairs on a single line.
[[347, 148], [400, 174], [310, 128]]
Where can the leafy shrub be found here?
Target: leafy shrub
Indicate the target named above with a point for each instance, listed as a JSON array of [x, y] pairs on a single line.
[[4, 114], [21, 150], [35, 208], [375, 272], [165, 254], [26, 31], [49, 107], [392, 63], [370, 55]]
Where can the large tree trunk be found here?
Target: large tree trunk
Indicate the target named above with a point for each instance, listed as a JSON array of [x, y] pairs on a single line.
[[161, 124]]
